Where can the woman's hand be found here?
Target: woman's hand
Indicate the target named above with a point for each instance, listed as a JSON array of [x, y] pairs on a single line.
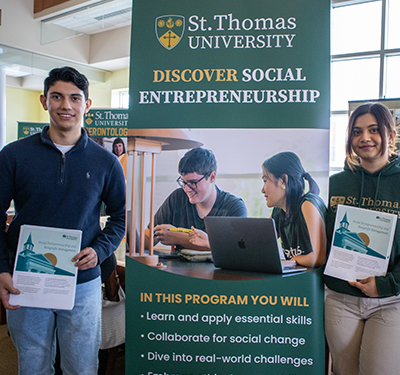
[[367, 286]]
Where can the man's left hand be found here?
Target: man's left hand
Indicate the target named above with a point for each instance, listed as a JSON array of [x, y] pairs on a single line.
[[367, 286], [85, 259]]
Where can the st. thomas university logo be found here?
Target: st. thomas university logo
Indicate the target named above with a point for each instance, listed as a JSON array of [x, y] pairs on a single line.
[[335, 200], [88, 118], [169, 30]]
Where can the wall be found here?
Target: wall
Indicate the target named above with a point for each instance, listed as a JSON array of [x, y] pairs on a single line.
[[110, 45], [24, 105], [101, 93]]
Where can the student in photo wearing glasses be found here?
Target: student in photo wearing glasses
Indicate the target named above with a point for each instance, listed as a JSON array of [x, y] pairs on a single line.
[[197, 197]]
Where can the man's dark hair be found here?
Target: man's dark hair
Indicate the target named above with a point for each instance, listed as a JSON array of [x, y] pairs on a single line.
[[67, 74], [198, 160]]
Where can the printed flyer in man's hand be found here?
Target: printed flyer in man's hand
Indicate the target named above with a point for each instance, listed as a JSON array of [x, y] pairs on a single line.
[[43, 270]]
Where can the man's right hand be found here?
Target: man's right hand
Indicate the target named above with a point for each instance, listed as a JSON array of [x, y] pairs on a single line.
[[7, 288]]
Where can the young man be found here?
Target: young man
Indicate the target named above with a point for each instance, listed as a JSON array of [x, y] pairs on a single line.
[[59, 178], [197, 198]]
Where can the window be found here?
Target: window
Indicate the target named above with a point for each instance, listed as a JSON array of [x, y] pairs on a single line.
[[356, 28], [365, 48], [124, 99], [120, 98], [393, 25]]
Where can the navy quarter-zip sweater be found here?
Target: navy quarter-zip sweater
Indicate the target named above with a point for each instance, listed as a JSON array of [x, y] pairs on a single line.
[[62, 191]]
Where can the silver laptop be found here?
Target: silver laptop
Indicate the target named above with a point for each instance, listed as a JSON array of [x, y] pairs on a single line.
[[246, 244]]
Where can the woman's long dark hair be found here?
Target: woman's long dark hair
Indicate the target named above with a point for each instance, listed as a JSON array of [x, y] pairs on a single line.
[[289, 164], [386, 126]]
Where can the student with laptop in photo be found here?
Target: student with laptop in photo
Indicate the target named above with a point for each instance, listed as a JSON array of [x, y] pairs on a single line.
[[197, 197], [299, 217]]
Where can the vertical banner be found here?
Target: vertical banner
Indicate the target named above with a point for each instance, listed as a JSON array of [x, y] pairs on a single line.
[[230, 65], [26, 129]]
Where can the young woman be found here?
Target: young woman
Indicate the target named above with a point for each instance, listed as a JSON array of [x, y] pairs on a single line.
[[299, 216], [362, 318], [118, 147]]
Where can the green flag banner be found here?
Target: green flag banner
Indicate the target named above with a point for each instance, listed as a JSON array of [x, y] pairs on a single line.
[[230, 64]]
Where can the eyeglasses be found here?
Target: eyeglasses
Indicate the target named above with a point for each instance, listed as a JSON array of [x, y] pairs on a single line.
[[191, 184]]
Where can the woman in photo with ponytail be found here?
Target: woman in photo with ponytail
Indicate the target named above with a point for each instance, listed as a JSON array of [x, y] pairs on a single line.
[[299, 216]]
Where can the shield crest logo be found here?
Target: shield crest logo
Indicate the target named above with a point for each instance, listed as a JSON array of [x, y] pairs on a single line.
[[335, 201], [169, 30], [88, 119]]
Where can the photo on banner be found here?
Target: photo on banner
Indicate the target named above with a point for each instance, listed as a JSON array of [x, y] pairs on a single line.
[[247, 79], [240, 154], [108, 127]]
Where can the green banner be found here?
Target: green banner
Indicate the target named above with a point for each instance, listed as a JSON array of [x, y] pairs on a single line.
[[108, 123], [183, 325], [26, 129], [230, 64]]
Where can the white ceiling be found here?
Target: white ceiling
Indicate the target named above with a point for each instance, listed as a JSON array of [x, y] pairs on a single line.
[[23, 68], [102, 15]]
